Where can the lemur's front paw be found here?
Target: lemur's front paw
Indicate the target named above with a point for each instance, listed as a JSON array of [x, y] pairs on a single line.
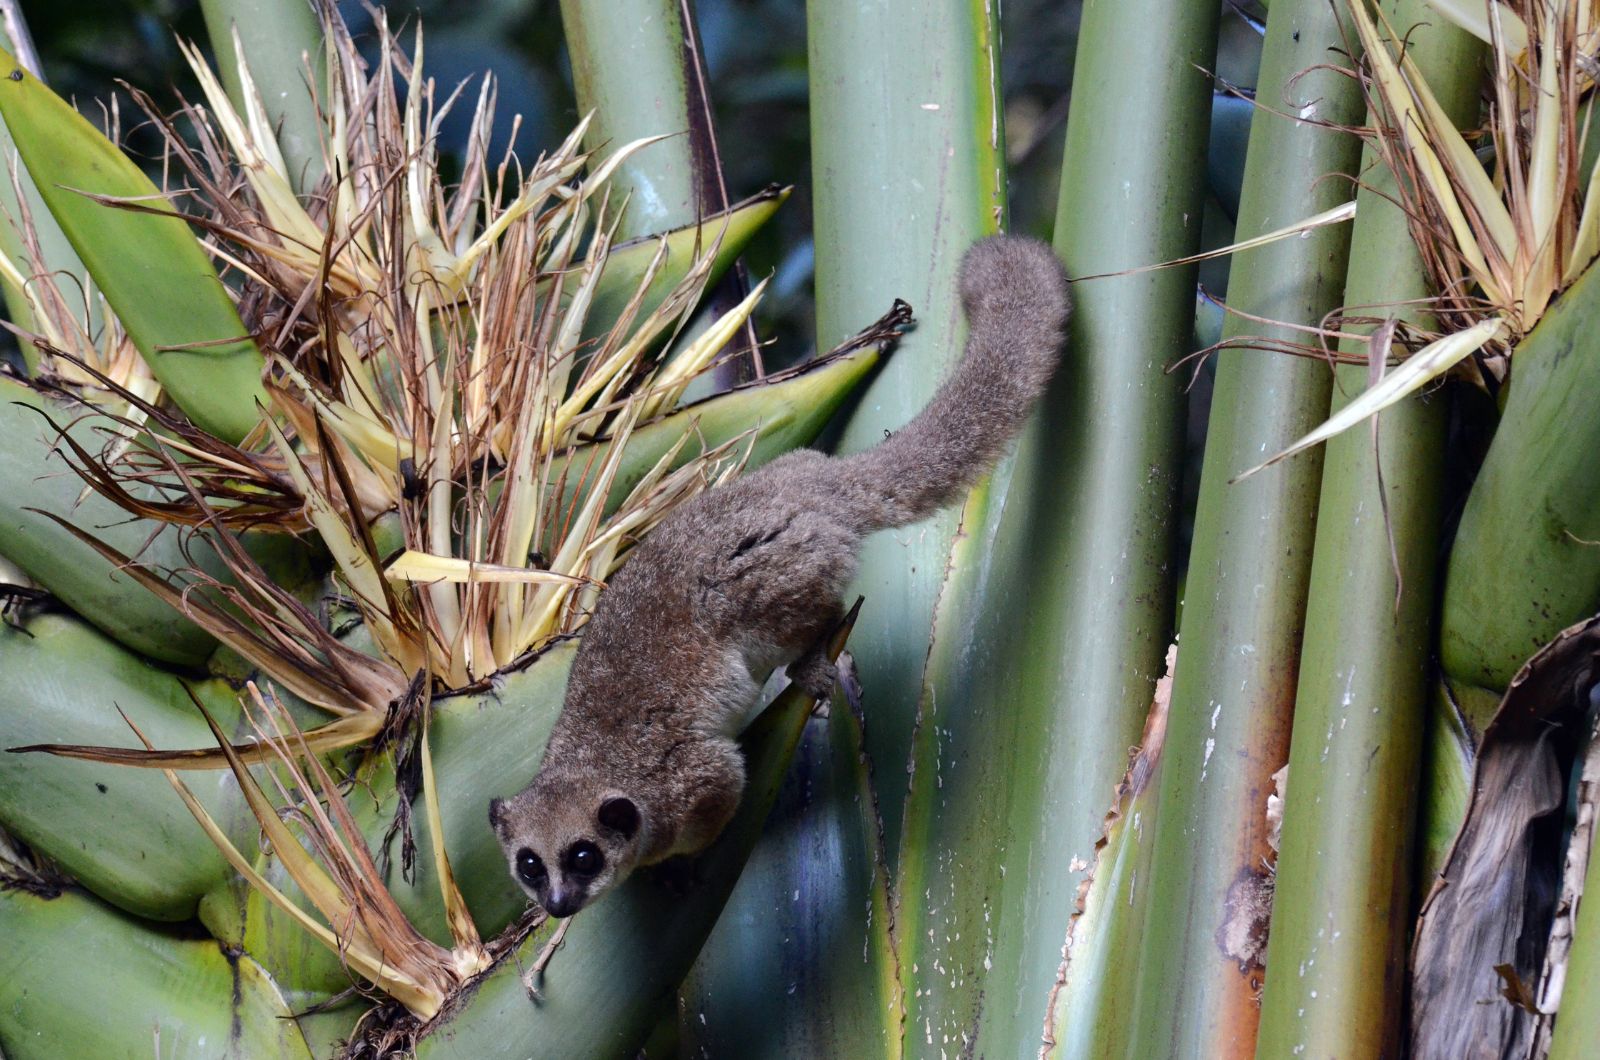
[[815, 674]]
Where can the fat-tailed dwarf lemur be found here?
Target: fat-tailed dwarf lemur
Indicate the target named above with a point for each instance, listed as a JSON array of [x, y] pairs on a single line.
[[643, 763]]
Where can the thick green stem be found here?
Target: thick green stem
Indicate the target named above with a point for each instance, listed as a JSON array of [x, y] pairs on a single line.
[[1199, 966], [1024, 738], [663, 93], [659, 93], [1336, 961], [908, 171]]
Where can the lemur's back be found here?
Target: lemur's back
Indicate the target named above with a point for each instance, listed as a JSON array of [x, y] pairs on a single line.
[[749, 576]]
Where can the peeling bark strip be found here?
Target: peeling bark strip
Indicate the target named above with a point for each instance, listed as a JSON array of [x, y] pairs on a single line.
[[1084, 923], [1496, 897], [1553, 982]]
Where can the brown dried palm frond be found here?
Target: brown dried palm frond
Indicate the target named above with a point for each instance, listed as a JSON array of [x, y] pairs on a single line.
[[434, 366], [1500, 242], [1499, 245], [313, 834]]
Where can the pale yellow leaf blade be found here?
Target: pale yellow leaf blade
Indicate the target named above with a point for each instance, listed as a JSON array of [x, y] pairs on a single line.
[[1431, 361], [426, 568]]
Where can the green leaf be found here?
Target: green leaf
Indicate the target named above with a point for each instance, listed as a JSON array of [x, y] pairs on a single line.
[[35, 478], [784, 411], [1199, 964], [1361, 700], [78, 978], [627, 262], [149, 265], [121, 832]]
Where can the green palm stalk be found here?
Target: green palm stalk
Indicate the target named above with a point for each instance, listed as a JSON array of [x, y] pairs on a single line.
[[1335, 963], [1199, 965]]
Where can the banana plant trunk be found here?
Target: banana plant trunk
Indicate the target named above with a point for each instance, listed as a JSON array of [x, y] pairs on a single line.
[[1336, 959], [1205, 934]]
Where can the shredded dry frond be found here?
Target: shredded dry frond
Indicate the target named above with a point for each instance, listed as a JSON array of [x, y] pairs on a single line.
[[440, 360]]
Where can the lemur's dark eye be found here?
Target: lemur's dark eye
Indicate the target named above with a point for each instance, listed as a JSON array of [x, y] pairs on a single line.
[[584, 859], [530, 867]]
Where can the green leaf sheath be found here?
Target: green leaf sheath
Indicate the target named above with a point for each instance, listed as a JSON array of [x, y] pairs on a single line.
[[791, 969], [1526, 559], [665, 182], [626, 264], [1199, 960], [1336, 958], [34, 475], [907, 171], [783, 414], [121, 832], [80, 979], [151, 268]]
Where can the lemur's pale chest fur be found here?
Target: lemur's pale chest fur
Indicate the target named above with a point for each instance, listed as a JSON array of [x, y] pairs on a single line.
[[643, 763]]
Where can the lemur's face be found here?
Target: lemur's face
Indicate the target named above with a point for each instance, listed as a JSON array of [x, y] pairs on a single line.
[[567, 842]]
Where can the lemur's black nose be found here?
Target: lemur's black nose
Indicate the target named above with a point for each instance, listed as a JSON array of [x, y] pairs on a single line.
[[562, 904]]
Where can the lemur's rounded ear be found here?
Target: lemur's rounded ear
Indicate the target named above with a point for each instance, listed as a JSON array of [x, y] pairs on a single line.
[[497, 817], [620, 815]]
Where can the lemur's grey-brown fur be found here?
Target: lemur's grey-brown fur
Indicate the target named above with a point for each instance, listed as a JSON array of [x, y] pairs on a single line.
[[643, 763]]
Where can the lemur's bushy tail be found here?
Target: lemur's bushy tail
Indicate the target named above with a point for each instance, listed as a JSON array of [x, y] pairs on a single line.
[[1015, 295]]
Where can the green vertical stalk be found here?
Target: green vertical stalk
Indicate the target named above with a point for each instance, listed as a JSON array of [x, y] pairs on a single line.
[[1199, 966], [662, 92], [907, 167], [908, 171], [635, 66], [283, 46], [1335, 968], [1058, 607]]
